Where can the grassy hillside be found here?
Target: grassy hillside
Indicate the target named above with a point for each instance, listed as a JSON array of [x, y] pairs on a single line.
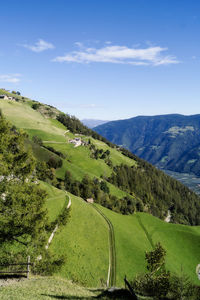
[[54, 134], [24, 117], [55, 200], [138, 233], [84, 241]]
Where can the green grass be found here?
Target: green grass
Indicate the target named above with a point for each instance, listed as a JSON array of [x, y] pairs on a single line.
[[41, 153], [182, 244], [55, 200], [80, 157], [23, 116], [44, 288], [45, 136], [116, 156], [84, 241], [57, 124]]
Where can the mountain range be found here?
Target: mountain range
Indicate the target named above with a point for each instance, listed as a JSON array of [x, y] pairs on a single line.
[[170, 142], [91, 123]]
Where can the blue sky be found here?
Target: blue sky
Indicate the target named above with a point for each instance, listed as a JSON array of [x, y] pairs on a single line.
[[109, 59]]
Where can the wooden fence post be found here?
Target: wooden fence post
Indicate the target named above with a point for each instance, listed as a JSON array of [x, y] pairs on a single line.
[[28, 267]]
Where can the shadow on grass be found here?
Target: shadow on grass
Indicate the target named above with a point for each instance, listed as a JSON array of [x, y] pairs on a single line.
[[67, 297], [12, 276], [117, 294]]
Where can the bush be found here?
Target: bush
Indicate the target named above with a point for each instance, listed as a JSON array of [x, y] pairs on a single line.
[[37, 140], [54, 163], [35, 106], [48, 264]]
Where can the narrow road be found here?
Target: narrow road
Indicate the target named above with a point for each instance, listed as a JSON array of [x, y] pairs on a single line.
[[111, 279]]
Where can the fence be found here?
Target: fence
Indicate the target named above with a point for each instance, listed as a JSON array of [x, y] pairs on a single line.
[[18, 271]]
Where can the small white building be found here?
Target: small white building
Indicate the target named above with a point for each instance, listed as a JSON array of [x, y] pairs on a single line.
[[90, 200], [6, 97], [77, 142]]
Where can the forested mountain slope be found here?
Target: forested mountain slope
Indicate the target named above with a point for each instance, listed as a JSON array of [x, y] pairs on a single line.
[[168, 141]]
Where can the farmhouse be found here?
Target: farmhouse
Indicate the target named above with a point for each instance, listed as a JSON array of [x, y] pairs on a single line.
[[90, 200], [5, 97], [77, 142]]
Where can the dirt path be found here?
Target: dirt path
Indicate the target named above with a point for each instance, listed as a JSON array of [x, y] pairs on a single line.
[[56, 227], [111, 279]]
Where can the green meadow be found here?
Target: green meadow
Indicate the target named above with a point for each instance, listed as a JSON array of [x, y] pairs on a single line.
[[55, 200], [84, 242], [135, 234]]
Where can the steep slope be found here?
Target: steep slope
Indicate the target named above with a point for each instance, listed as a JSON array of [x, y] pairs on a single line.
[[84, 240], [140, 232], [129, 184], [169, 141]]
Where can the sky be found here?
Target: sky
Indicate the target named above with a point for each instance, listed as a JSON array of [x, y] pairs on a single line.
[[103, 59]]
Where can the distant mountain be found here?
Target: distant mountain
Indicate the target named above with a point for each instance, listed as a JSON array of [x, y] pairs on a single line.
[[168, 141], [91, 123]]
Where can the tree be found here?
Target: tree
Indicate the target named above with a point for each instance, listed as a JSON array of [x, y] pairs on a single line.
[[156, 282], [22, 214], [155, 259]]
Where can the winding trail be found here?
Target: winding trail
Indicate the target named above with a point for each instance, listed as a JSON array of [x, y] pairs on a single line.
[[111, 279], [56, 227]]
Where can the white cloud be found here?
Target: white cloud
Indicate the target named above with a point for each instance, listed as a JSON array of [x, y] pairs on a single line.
[[13, 78], [120, 55], [39, 46]]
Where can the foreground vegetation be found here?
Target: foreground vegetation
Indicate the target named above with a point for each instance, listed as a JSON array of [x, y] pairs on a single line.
[[41, 288]]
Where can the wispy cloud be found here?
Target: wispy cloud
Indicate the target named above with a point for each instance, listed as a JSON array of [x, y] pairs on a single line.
[[120, 55], [12, 78], [39, 46]]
